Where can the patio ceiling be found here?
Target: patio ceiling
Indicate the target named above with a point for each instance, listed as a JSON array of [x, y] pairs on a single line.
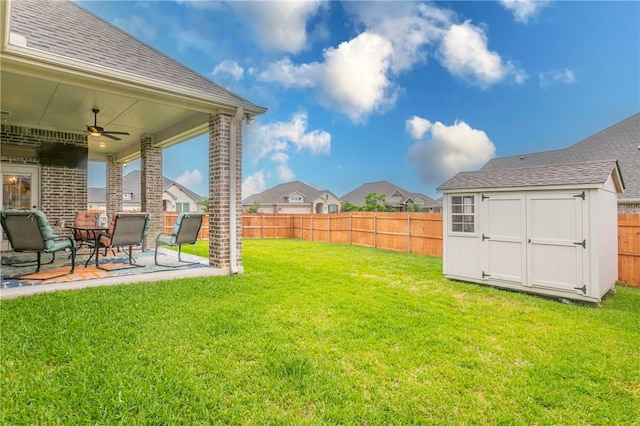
[[30, 101]]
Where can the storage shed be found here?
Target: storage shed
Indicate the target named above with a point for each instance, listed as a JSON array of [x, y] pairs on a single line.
[[550, 230]]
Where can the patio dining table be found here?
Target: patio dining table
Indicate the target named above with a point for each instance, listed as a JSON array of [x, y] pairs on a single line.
[[95, 231]]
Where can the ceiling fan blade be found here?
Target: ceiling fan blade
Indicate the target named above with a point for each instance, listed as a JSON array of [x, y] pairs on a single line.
[[107, 135], [116, 133]]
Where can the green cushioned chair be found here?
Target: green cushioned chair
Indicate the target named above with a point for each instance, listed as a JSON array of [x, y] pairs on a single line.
[[185, 231], [29, 231]]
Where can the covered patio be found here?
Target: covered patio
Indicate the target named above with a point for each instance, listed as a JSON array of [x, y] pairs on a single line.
[[75, 88]]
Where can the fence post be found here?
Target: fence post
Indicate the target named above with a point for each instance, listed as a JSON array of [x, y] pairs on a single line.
[[374, 232], [329, 228], [408, 233], [349, 227], [312, 228], [262, 225]]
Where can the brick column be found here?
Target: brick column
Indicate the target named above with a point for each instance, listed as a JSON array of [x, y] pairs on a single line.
[[151, 184], [114, 186], [219, 191]]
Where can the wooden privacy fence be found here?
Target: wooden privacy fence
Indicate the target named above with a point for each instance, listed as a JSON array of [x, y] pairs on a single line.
[[629, 249], [419, 233]]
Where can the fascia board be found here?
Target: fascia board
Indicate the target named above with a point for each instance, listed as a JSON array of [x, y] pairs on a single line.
[[522, 188]]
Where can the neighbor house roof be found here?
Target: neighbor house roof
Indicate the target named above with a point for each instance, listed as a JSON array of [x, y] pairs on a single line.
[[583, 174], [358, 195], [131, 185], [279, 193], [620, 141], [67, 29]]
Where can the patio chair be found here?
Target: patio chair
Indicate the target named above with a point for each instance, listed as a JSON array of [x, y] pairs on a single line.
[[29, 231], [82, 237], [125, 231], [185, 231]]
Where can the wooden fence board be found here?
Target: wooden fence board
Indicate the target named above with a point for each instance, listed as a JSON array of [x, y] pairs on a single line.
[[629, 249]]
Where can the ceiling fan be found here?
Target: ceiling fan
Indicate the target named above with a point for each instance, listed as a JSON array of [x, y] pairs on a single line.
[[95, 130]]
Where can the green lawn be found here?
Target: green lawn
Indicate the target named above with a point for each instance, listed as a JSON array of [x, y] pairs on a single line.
[[316, 333]]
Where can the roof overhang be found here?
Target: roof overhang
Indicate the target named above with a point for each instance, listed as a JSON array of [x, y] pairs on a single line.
[[48, 91]]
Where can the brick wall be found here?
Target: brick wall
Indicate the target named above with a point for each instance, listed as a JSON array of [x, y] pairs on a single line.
[[114, 186], [219, 191], [63, 190], [151, 183]]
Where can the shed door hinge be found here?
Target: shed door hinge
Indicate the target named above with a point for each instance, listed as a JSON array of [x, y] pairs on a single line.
[[583, 288], [484, 197], [583, 243], [484, 237], [580, 195], [485, 275]]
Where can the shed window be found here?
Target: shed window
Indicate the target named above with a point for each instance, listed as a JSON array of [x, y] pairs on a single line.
[[463, 214]]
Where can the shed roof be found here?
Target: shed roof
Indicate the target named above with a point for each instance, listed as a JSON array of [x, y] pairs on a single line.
[[620, 141], [590, 173]]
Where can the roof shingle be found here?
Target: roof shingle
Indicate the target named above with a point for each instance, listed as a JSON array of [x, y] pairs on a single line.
[[585, 173]]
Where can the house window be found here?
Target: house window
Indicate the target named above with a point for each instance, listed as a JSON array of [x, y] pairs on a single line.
[[182, 207], [295, 199], [463, 213], [333, 208]]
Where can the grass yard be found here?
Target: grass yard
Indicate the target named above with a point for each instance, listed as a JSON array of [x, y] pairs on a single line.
[[316, 333]]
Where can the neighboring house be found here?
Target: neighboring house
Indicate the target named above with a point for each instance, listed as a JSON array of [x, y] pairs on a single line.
[[620, 141], [294, 197], [175, 197], [398, 197], [59, 63]]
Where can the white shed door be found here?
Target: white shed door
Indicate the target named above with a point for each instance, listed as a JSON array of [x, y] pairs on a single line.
[[504, 237], [556, 245]]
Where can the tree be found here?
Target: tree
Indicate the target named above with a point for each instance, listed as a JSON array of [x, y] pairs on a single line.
[[376, 203], [414, 208], [350, 207], [205, 205], [254, 207]]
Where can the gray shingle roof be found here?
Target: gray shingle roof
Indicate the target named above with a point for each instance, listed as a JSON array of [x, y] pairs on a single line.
[[585, 173], [65, 28], [620, 141], [131, 185], [357, 196], [278, 194]]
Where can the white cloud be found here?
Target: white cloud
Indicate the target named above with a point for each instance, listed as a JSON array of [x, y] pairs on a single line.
[[228, 67], [449, 149], [190, 178], [253, 184], [279, 26], [352, 78], [417, 126], [465, 54], [274, 141], [523, 10], [565, 76], [285, 174], [357, 77]]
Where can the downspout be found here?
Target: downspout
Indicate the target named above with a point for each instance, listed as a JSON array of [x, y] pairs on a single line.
[[233, 237]]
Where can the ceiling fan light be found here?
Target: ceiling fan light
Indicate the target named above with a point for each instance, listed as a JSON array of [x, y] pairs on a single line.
[[94, 133]]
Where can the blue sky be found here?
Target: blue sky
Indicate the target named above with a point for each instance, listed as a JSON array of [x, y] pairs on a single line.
[[409, 92]]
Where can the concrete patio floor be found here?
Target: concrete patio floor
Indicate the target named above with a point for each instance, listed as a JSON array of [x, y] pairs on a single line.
[[200, 269]]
